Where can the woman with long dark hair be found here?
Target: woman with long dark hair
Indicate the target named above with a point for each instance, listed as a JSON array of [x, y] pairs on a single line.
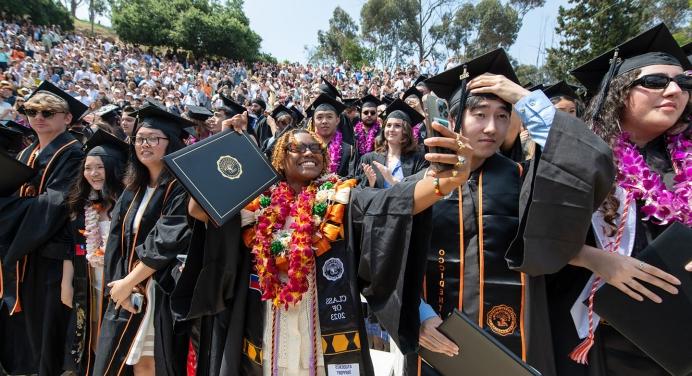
[[396, 154], [148, 230], [90, 202], [643, 93]]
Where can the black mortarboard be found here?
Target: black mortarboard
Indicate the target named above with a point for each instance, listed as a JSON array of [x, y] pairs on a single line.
[[326, 102], [388, 99], [400, 110], [10, 139], [26, 131], [297, 115], [281, 110], [107, 111], [351, 102], [451, 84], [14, 174], [151, 116], [231, 106], [104, 144], [412, 91], [77, 108], [655, 46], [688, 51], [369, 101], [421, 79], [326, 87], [199, 112], [531, 87], [560, 89]]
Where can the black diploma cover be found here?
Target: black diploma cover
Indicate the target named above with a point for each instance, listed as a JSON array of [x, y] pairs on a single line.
[[14, 174]]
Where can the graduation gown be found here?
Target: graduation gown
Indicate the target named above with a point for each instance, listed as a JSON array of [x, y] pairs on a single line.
[[346, 128], [559, 207], [383, 266], [411, 163], [612, 353], [163, 234], [263, 131], [348, 162], [35, 238]]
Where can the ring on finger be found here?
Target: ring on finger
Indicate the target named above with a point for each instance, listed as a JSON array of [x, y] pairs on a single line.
[[455, 173], [641, 265], [460, 144]]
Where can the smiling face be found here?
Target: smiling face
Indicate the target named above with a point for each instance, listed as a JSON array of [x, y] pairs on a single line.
[[485, 125], [95, 172], [648, 113], [306, 165], [394, 131], [566, 105], [148, 153]]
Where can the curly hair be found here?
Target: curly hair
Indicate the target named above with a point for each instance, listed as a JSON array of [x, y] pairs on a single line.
[[281, 149]]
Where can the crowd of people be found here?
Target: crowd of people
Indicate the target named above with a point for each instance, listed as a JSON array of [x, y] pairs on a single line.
[[405, 195]]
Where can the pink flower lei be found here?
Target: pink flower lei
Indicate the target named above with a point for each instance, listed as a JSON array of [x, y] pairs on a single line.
[[366, 145], [416, 132], [335, 152], [661, 206]]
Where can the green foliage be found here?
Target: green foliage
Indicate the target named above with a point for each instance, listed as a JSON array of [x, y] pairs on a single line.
[[483, 27], [340, 42], [204, 27], [582, 29], [41, 12]]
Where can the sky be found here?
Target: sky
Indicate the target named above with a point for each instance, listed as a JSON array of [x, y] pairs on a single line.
[[287, 26]]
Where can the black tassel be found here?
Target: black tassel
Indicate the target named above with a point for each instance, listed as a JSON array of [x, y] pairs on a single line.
[[614, 62]]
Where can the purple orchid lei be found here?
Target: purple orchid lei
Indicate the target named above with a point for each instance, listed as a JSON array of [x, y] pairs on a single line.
[[366, 145], [661, 206], [335, 152]]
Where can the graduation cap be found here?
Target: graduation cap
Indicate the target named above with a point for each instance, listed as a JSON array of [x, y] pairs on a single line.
[[560, 89], [151, 116], [76, 108], [232, 107], [412, 91], [107, 111], [655, 46], [199, 112], [369, 101], [351, 102], [11, 139], [297, 115], [324, 102], [688, 51], [104, 144], [400, 110], [420, 80], [451, 84], [281, 110], [388, 99], [326, 87], [25, 131]]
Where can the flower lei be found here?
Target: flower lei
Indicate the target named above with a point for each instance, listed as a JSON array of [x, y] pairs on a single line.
[[366, 145], [274, 246], [661, 206], [92, 233], [416, 132], [335, 152]]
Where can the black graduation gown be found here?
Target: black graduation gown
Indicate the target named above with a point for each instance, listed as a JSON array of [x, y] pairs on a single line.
[[612, 354], [349, 161], [346, 128], [163, 234], [215, 282], [35, 234], [263, 131], [411, 164]]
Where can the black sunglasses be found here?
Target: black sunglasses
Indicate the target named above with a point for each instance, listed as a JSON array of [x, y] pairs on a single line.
[[302, 148], [369, 112], [661, 81], [47, 114]]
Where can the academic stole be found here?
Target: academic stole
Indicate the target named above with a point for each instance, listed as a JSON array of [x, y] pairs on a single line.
[[338, 316], [14, 276], [502, 292]]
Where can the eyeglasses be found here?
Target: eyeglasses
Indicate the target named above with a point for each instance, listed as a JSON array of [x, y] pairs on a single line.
[[661, 81], [151, 140], [47, 114], [302, 148], [369, 112]]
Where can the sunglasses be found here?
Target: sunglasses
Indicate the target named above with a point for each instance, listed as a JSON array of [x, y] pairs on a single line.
[[47, 114], [661, 81], [302, 148], [369, 112]]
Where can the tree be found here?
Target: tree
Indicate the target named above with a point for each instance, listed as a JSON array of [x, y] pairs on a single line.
[[96, 8], [41, 12], [203, 27], [74, 4], [582, 30], [340, 42], [483, 27], [675, 13]]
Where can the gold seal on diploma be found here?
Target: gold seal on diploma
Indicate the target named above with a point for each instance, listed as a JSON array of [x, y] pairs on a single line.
[[229, 167]]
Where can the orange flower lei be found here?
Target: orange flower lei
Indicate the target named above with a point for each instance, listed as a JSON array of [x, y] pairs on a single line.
[[317, 221]]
